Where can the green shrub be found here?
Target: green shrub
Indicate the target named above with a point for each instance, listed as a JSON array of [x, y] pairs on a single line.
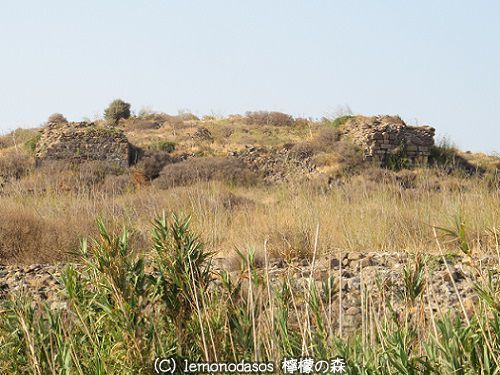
[[397, 159], [337, 122], [445, 155], [17, 137], [31, 143], [166, 146], [118, 109]]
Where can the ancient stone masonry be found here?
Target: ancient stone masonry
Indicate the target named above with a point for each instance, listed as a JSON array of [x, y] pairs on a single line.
[[381, 136], [451, 285], [83, 141], [276, 165]]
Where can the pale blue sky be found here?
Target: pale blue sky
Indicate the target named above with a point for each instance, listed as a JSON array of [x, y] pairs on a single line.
[[435, 62]]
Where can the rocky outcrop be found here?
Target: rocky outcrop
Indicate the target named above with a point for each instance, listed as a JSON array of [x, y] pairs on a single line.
[[83, 141], [382, 136]]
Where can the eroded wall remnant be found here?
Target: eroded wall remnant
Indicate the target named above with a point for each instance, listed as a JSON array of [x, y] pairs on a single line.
[[381, 136], [83, 141]]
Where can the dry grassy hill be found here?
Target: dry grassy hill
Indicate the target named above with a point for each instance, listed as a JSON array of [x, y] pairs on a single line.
[[306, 239], [246, 180]]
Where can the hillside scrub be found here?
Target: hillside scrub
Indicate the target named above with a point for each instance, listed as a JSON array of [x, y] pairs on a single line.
[[379, 210], [269, 118], [230, 171], [15, 165]]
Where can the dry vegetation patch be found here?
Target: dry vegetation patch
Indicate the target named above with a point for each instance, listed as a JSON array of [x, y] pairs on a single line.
[[231, 171]]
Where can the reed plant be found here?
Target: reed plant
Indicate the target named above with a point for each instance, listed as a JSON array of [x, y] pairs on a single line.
[[123, 309]]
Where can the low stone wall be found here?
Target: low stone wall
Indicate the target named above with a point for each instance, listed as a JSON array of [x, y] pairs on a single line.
[[83, 142], [381, 136], [449, 282]]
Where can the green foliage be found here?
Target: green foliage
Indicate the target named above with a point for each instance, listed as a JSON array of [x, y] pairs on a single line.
[[414, 281], [17, 137], [397, 159], [32, 142], [183, 276], [166, 146], [118, 109], [458, 234], [340, 121], [123, 310], [444, 154]]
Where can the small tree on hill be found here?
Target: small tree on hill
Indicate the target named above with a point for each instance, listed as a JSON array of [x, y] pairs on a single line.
[[117, 110], [57, 118]]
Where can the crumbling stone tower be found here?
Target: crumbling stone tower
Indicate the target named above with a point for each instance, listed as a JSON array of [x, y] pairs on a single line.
[[382, 136]]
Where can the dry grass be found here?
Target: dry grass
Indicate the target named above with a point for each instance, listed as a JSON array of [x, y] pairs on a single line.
[[269, 118], [28, 236], [232, 171], [226, 135], [384, 212], [14, 165]]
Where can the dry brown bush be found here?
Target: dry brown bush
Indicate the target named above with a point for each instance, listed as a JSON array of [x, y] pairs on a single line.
[[202, 134], [139, 124], [117, 185], [301, 151], [152, 162], [59, 177], [187, 116], [269, 118], [326, 139], [93, 173], [27, 237], [206, 169], [327, 149], [288, 243], [57, 118], [180, 118], [349, 156], [231, 201], [15, 165], [227, 131], [302, 122]]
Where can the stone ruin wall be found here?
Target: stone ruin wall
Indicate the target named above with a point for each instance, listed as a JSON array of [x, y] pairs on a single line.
[[83, 141], [382, 136]]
